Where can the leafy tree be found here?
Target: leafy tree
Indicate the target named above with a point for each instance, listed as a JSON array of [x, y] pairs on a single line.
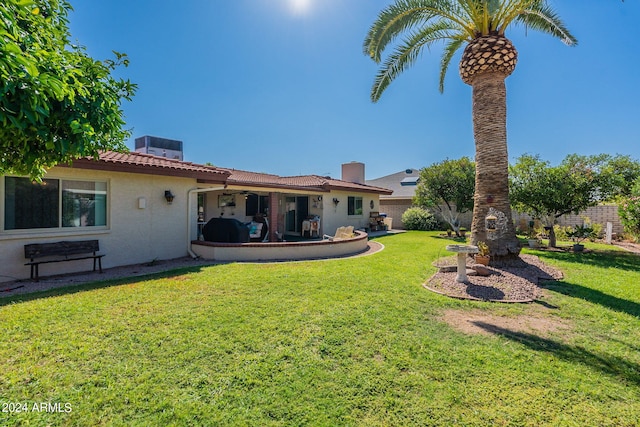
[[620, 173], [57, 102], [629, 211], [448, 188], [547, 192], [488, 59]]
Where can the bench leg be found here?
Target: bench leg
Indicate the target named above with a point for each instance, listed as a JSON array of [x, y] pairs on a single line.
[[34, 269]]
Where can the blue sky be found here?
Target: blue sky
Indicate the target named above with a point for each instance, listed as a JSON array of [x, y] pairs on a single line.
[[282, 86]]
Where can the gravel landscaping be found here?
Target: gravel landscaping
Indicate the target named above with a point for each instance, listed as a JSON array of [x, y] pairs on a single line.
[[513, 282]]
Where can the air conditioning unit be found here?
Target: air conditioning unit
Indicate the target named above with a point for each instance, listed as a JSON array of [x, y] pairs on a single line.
[[163, 147]]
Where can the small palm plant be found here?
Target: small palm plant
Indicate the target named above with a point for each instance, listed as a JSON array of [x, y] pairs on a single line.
[[483, 256], [483, 249], [578, 234]]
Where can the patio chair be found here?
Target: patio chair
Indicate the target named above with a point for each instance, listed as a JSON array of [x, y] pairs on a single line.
[[341, 233], [258, 229]]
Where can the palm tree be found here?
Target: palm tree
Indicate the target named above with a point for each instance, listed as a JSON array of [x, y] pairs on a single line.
[[487, 60]]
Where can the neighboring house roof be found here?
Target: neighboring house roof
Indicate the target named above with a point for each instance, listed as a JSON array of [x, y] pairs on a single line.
[[402, 183], [134, 162], [303, 182]]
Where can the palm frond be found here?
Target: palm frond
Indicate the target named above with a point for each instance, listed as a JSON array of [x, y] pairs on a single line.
[[391, 23], [406, 54], [449, 50], [542, 18], [508, 11], [403, 15]]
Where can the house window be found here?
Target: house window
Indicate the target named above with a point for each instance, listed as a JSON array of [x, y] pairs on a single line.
[[354, 205], [256, 204], [84, 203], [53, 203]]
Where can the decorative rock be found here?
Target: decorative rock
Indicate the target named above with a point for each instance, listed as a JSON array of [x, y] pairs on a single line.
[[481, 270]]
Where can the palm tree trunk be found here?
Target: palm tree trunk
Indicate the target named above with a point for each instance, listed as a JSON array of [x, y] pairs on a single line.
[[492, 165]]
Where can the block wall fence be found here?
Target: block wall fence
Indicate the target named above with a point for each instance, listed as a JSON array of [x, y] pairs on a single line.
[[597, 214]]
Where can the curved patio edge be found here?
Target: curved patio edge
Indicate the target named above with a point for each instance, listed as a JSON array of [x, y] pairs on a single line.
[[280, 251]]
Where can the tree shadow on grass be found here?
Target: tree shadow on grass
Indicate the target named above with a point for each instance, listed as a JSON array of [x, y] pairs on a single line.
[[452, 238], [594, 296], [610, 365], [100, 284], [604, 259]]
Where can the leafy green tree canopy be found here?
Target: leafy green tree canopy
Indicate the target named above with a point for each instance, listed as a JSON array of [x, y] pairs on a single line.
[[629, 210], [620, 173], [547, 192], [447, 187], [57, 103]]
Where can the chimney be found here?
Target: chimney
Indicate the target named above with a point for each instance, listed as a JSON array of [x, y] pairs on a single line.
[[353, 172]]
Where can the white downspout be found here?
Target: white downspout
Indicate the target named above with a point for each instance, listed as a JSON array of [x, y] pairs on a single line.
[[190, 218]]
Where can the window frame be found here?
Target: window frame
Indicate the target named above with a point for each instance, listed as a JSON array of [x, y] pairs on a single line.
[[352, 201], [261, 203], [59, 228]]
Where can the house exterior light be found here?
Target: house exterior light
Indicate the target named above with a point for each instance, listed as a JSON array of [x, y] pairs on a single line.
[[168, 196]]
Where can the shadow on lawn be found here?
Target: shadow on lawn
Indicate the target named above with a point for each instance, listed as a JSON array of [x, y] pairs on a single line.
[[598, 258], [611, 365], [100, 284], [594, 296]]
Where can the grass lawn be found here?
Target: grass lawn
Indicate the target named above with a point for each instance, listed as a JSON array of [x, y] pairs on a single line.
[[337, 343]]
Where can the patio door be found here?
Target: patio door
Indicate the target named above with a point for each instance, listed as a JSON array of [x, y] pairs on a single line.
[[297, 211]]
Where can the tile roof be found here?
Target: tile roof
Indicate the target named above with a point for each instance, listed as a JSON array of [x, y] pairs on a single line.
[[303, 182], [146, 163], [339, 184], [135, 162]]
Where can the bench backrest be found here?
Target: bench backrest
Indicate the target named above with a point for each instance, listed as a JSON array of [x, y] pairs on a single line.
[[39, 250]]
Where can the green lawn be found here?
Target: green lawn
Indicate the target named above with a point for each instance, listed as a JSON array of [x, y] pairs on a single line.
[[335, 343]]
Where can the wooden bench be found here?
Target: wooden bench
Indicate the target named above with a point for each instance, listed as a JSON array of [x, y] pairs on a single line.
[[61, 252]]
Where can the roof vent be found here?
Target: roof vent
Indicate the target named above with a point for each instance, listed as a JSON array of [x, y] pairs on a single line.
[[408, 171], [410, 180]]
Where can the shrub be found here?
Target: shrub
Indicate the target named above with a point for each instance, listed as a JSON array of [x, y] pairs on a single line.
[[419, 219], [597, 231], [629, 212], [562, 233]]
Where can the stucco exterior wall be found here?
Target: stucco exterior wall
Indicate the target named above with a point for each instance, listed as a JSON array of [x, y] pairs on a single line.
[[281, 251], [132, 235], [335, 216]]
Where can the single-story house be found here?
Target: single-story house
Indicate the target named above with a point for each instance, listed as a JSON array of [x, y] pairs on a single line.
[[403, 186], [143, 207]]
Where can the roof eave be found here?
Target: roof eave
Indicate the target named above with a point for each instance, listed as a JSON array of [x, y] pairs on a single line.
[[212, 177]]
